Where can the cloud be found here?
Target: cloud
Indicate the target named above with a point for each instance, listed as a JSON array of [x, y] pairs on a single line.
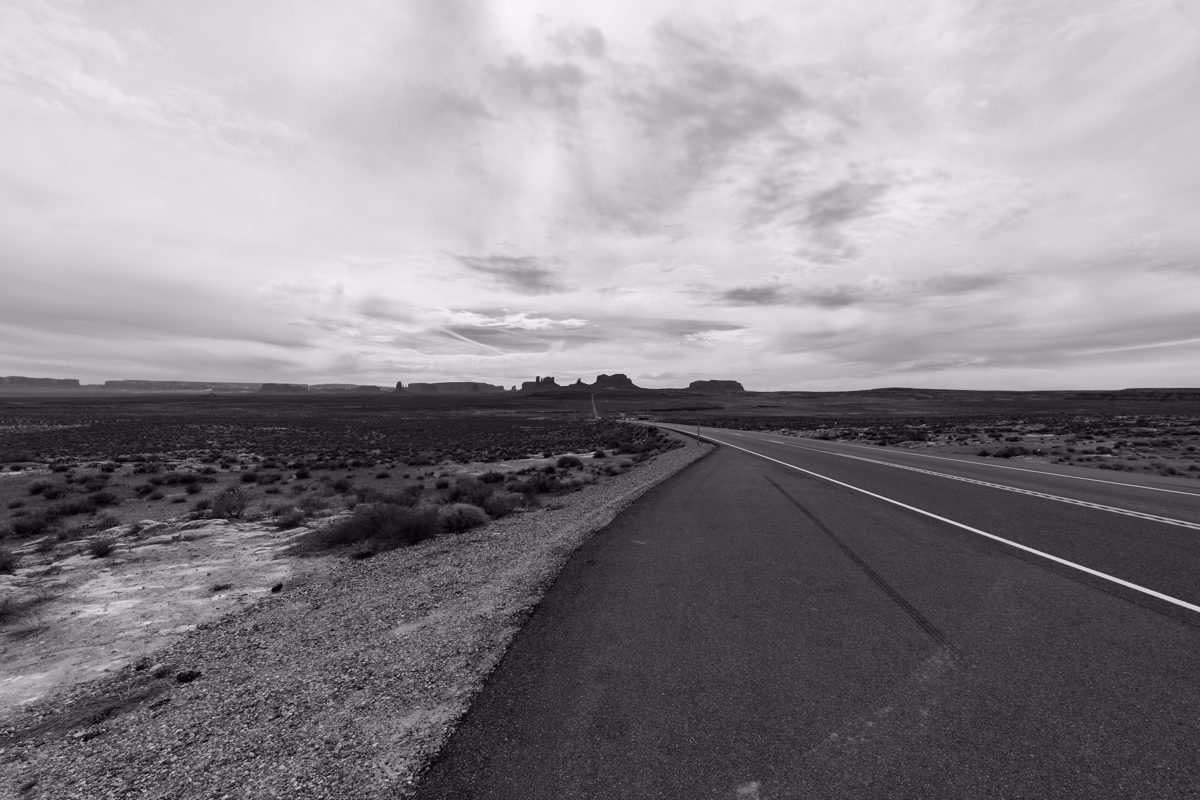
[[765, 295], [524, 274], [831, 208], [553, 85], [785, 196], [588, 41], [704, 100]]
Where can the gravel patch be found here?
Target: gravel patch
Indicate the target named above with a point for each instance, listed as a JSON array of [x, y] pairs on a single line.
[[341, 686]]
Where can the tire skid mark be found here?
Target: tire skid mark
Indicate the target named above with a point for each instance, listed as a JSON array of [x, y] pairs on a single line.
[[920, 619]]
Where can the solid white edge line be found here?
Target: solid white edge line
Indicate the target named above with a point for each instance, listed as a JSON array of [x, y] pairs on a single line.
[[1096, 573], [986, 464]]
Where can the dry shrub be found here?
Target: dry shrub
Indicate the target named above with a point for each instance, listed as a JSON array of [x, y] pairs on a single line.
[[101, 548], [231, 503], [459, 517], [383, 527], [501, 504]]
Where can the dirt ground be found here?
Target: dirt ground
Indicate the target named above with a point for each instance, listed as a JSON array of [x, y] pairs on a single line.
[[93, 615]]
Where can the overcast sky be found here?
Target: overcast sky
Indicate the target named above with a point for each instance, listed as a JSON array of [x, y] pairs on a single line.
[[813, 194]]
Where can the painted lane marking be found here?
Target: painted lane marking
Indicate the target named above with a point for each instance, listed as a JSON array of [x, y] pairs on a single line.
[[987, 464], [1088, 570], [1070, 500]]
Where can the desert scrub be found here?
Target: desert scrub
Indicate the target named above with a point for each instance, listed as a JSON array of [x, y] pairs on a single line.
[[231, 503], [102, 548], [469, 491], [501, 504], [459, 517], [379, 527], [290, 519]]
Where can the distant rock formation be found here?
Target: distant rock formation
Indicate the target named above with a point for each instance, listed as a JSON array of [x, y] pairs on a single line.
[[180, 386], [21, 382], [603, 382], [539, 384], [283, 388], [611, 382], [716, 387], [451, 387], [343, 387]]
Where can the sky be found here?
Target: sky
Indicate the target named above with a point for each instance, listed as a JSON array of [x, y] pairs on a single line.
[[809, 194]]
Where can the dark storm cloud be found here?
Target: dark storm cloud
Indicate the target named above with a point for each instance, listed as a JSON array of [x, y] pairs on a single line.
[[525, 274]]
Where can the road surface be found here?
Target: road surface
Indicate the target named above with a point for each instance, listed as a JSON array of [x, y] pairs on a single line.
[[790, 618]]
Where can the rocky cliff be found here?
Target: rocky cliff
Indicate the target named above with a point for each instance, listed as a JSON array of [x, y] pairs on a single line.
[[716, 387], [451, 387], [21, 382], [180, 386], [283, 388], [540, 384]]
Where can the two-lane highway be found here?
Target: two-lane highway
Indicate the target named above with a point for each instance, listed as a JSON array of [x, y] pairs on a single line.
[[799, 619], [1141, 537]]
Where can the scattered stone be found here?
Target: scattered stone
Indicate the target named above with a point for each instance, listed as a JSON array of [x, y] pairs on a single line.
[[187, 676]]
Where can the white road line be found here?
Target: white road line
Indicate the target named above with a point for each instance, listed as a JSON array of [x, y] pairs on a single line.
[[1072, 501], [997, 466], [1095, 573]]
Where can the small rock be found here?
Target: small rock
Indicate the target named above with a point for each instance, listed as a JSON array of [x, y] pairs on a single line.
[[161, 670], [277, 588], [187, 676]]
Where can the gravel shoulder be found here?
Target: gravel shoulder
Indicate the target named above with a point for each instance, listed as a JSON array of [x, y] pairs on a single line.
[[343, 685]]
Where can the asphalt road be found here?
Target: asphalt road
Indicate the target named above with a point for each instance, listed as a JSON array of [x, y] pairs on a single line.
[[799, 619]]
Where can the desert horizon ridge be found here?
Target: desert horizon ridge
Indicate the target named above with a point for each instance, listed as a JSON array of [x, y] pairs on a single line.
[[604, 382]]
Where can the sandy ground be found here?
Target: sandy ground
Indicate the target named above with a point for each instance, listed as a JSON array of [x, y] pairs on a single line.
[[96, 615]]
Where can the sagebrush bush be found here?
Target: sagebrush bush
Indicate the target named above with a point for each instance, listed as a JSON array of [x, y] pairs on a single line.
[[459, 517], [407, 497], [492, 477], [290, 519], [501, 504], [101, 548], [231, 503], [568, 462], [384, 527], [468, 490], [32, 526]]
